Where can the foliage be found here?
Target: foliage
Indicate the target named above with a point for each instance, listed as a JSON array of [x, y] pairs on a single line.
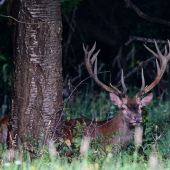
[[69, 5], [155, 136], [5, 63], [92, 106], [143, 157], [119, 22], [111, 17]]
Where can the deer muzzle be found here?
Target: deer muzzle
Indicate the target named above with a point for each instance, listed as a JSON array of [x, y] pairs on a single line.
[[137, 119]]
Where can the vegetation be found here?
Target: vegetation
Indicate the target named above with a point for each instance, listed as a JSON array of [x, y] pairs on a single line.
[[110, 24], [150, 154], [89, 22]]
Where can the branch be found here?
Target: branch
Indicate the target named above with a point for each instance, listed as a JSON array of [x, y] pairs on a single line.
[[136, 69], [143, 39], [5, 16], [129, 4], [157, 138], [2, 2], [62, 114], [139, 67]]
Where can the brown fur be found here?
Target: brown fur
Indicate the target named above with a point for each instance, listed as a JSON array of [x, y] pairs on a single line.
[[123, 122], [4, 130]]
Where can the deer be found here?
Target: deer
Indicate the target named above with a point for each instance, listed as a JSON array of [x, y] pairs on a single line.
[[130, 109], [4, 130]]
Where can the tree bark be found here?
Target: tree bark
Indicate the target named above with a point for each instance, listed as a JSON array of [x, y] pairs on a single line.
[[37, 83]]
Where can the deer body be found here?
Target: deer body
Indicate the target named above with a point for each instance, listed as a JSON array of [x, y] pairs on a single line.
[[104, 128], [92, 129], [124, 122], [4, 130]]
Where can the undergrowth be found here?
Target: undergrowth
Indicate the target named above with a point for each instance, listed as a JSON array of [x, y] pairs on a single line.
[[152, 154]]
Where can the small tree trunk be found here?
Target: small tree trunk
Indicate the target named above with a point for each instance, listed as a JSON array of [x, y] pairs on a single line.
[[37, 83]]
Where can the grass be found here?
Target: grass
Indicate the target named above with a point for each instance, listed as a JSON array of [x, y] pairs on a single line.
[[90, 106], [150, 155], [134, 161]]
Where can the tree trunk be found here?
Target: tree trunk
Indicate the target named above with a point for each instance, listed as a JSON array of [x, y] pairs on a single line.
[[37, 83]]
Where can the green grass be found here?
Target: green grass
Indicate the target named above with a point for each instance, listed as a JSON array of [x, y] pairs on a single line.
[[155, 145], [120, 161], [91, 106]]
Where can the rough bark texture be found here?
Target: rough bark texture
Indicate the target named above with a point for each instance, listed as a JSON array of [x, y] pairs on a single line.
[[37, 96]]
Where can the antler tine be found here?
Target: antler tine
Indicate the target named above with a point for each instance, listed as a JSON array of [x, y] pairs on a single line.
[[84, 49], [160, 71], [143, 85], [95, 68], [89, 53], [95, 56], [92, 50], [89, 63], [158, 68], [123, 83], [166, 52], [168, 56], [156, 55]]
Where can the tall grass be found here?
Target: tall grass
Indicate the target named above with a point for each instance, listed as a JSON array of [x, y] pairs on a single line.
[[150, 154], [91, 106]]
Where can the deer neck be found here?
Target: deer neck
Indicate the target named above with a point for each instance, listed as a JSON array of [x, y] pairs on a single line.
[[119, 124], [124, 130]]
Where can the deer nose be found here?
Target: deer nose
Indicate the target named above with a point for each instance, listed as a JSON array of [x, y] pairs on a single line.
[[138, 119]]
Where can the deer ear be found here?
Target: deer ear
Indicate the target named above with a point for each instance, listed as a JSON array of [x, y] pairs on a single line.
[[115, 99], [147, 99]]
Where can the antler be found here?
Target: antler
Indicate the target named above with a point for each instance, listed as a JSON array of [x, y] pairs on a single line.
[[160, 71], [89, 62]]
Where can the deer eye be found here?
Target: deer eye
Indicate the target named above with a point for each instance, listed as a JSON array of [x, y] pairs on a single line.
[[123, 108]]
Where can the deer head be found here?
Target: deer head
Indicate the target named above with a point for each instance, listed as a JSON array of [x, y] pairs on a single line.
[[130, 108]]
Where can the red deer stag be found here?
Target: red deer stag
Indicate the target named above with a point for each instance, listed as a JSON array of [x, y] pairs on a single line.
[[130, 109]]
